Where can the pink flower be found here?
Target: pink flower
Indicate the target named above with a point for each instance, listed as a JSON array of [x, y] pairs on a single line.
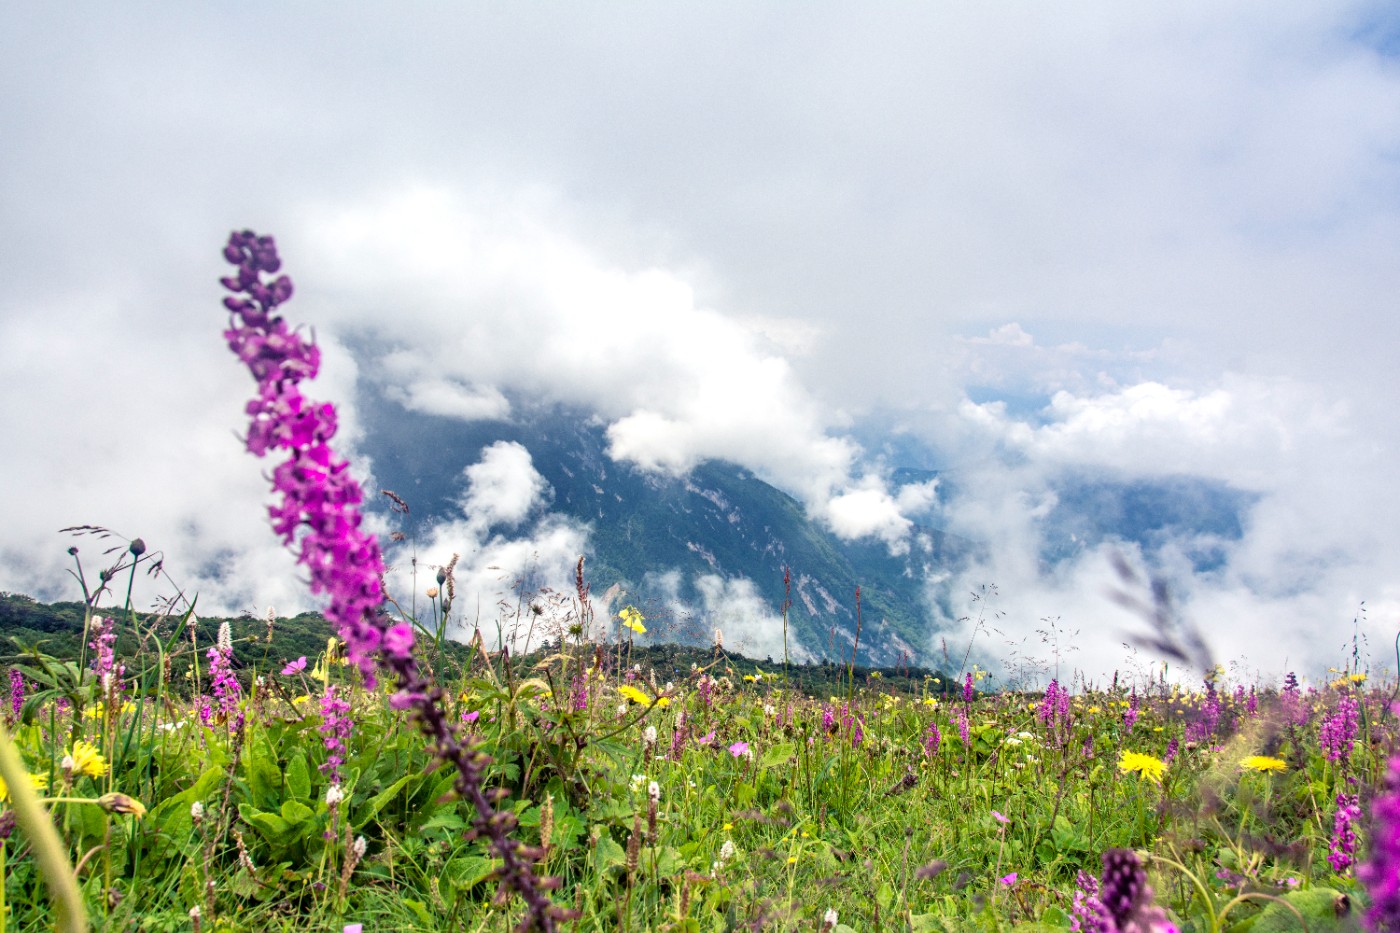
[[1000, 818], [1008, 880], [295, 667], [739, 749]]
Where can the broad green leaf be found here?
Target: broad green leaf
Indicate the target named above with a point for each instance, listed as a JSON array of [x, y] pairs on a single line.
[[777, 755], [270, 826], [299, 778]]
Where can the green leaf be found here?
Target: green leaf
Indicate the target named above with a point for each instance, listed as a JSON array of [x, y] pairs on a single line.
[[380, 800], [778, 755], [299, 778], [466, 872], [297, 813], [277, 831], [608, 854]]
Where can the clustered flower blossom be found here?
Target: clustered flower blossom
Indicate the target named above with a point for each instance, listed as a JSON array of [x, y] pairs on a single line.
[[222, 682], [319, 511], [932, 740], [1380, 873], [104, 657], [968, 691], [336, 726], [1339, 730], [16, 692], [1342, 854], [1130, 715], [963, 728], [1127, 897]]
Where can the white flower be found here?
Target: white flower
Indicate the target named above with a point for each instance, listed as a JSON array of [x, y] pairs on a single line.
[[359, 846], [334, 795], [654, 790], [194, 912], [1012, 740], [196, 811], [638, 781], [726, 851], [1026, 736], [225, 638], [830, 918], [649, 736], [622, 709], [768, 709], [670, 685]]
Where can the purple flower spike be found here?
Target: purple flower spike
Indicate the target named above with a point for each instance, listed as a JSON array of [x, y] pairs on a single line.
[[319, 512], [1381, 872]]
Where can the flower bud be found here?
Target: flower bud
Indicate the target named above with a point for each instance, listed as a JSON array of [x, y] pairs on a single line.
[[121, 803]]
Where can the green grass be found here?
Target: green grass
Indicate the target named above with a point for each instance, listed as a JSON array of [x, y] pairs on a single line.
[[858, 817]]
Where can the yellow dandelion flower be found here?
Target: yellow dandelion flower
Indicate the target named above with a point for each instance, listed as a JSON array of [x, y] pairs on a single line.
[[1262, 763], [634, 695], [121, 803], [36, 781], [88, 760], [1358, 678], [1150, 768]]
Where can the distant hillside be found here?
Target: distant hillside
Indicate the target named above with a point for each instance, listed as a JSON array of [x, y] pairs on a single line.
[[56, 630], [720, 519]]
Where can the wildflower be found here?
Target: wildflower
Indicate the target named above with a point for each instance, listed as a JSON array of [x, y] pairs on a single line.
[[1127, 897], [1381, 872], [121, 803], [86, 759], [295, 667], [638, 780], [1130, 715], [320, 497], [197, 812], [222, 681], [1342, 853], [1145, 765], [739, 749], [932, 740], [634, 695], [829, 919], [334, 795], [649, 736], [16, 692], [726, 851], [336, 726], [1262, 763], [653, 791], [1000, 818], [36, 781], [1008, 880], [968, 690], [1339, 731], [1088, 912], [632, 619]]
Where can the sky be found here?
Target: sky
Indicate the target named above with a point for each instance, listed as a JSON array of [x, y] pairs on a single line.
[[1148, 241]]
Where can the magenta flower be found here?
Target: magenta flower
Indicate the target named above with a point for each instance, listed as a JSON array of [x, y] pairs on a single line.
[[1339, 731], [739, 749], [16, 692], [1000, 818], [1381, 872], [1342, 853], [295, 667], [932, 740], [1008, 880], [319, 513], [336, 726]]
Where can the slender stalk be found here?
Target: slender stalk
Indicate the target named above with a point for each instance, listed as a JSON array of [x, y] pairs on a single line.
[[48, 847]]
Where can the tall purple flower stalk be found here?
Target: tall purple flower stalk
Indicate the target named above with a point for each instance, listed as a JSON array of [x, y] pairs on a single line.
[[1342, 854], [1126, 895], [1048, 707], [932, 740], [336, 726], [223, 683], [1381, 872], [16, 692], [968, 692], [320, 503], [1339, 731], [104, 656], [963, 727], [1130, 715]]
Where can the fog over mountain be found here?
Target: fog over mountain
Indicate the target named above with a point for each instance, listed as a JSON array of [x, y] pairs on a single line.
[[967, 296]]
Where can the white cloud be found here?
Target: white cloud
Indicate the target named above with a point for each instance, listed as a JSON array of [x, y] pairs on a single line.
[[503, 487]]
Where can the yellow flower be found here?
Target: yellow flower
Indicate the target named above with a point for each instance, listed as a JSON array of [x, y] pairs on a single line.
[[1093, 709], [1262, 764], [632, 619], [1145, 765], [633, 694], [1358, 678], [36, 781], [88, 760]]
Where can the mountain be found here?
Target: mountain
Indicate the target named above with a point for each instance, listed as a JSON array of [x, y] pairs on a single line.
[[719, 535]]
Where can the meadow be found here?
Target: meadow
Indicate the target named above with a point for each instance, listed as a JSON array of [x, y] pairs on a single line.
[[163, 779]]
